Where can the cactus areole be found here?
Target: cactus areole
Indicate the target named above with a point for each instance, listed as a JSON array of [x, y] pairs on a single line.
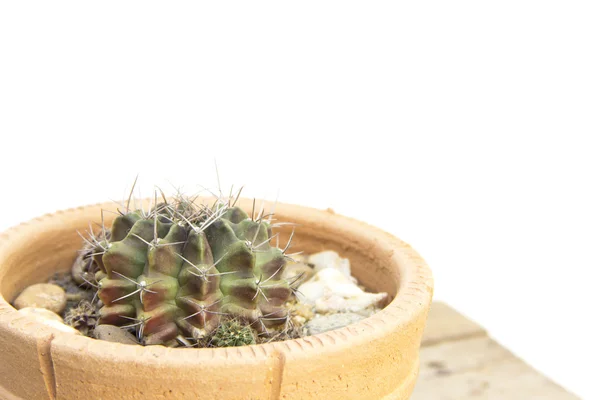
[[179, 268]]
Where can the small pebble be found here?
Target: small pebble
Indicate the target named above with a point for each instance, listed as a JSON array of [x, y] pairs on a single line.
[[42, 295], [298, 272], [331, 259], [171, 343], [114, 334], [41, 313], [330, 290], [48, 318], [303, 310], [298, 321], [74, 296], [78, 269], [324, 323]]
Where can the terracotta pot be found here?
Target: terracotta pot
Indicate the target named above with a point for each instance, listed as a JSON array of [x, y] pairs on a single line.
[[376, 358]]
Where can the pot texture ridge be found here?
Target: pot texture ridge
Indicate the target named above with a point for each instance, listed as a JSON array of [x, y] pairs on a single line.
[[376, 358]]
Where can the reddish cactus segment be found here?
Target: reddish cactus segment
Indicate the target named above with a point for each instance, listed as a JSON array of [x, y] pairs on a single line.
[[180, 268]]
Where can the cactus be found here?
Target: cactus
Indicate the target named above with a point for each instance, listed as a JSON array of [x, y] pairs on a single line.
[[232, 333], [83, 317], [179, 268]]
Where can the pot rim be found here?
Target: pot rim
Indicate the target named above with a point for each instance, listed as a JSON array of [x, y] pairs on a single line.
[[412, 298]]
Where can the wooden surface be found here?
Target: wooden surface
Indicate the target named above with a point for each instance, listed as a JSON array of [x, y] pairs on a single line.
[[459, 361]]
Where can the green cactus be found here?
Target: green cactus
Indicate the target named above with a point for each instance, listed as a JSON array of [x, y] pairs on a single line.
[[179, 268], [232, 333]]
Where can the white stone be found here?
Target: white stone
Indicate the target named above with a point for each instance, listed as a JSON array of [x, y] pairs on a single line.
[[331, 259], [331, 290]]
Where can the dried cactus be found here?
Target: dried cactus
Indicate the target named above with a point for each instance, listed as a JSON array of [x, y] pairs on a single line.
[[178, 268], [83, 317]]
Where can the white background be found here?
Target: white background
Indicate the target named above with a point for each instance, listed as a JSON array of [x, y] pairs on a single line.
[[467, 128]]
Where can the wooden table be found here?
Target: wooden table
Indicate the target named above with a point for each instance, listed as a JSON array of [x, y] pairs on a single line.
[[460, 361]]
